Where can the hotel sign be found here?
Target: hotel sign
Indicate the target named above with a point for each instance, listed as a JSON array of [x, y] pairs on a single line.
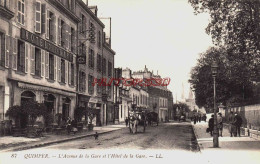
[[44, 44]]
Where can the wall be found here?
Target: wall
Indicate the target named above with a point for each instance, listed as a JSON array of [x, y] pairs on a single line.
[[250, 115]]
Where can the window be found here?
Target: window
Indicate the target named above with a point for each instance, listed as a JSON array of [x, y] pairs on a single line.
[[104, 66], [91, 59], [109, 91], [90, 86], [72, 74], [21, 56], [2, 49], [51, 67], [82, 27], [62, 70], [99, 66], [73, 40], [51, 26], [99, 87], [38, 17], [21, 11], [82, 81], [109, 69], [37, 62], [99, 39], [63, 34]]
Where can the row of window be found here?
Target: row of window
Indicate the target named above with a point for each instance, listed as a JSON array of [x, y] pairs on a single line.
[[101, 63], [140, 100], [42, 63], [163, 103], [82, 85], [62, 34]]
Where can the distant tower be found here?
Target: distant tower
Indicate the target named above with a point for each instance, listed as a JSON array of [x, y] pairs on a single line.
[[191, 94]]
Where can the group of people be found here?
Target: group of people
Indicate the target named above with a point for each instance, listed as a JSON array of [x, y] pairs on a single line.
[[198, 118], [71, 126], [235, 122]]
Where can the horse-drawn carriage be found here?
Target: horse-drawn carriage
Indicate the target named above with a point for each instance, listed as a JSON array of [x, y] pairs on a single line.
[[136, 119], [152, 117]]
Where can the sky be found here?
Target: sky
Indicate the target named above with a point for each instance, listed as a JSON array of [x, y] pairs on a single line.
[[164, 35]]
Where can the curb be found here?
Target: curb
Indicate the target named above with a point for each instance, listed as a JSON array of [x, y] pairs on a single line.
[[57, 141], [196, 135]]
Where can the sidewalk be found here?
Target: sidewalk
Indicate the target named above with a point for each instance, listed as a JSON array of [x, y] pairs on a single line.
[[231, 149], [10, 143]]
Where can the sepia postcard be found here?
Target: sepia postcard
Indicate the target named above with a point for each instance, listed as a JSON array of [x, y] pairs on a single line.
[[161, 81]]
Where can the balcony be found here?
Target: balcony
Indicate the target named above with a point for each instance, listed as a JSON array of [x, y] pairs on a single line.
[[4, 9]]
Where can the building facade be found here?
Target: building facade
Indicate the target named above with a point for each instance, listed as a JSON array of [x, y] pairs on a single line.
[[40, 57], [40, 44]]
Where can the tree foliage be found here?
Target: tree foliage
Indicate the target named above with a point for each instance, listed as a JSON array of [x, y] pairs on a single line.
[[234, 25], [229, 88]]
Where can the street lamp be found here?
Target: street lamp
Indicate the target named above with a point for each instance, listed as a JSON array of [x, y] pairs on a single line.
[[214, 71]]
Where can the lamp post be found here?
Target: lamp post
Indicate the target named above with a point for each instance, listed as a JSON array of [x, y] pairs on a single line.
[[214, 70]]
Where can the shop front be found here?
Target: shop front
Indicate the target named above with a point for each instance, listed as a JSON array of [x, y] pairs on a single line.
[[58, 103]]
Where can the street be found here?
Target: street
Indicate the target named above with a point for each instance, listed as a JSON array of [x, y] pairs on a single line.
[[174, 136]]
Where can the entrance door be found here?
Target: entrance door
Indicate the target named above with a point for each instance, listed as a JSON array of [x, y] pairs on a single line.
[[26, 96], [65, 108]]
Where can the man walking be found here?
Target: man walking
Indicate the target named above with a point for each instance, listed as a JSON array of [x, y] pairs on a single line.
[[232, 128], [211, 124], [237, 122]]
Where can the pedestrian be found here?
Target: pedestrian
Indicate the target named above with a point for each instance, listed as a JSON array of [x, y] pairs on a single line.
[[74, 126], [211, 124], [199, 118], [220, 124], [194, 119], [68, 126], [232, 128], [237, 122], [126, 121]]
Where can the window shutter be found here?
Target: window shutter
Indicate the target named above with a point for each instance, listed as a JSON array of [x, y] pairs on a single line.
[[37, 26], [43, 19], [69, 73], [14, 60], [48, 24], [7, 50], [69, 38], [66, 72], [59, 31], [42, 62], [75, 73], [47, 63], [59, 68], [55, 67], [54, 39], [32, 60], [26, 57], [2, 53]]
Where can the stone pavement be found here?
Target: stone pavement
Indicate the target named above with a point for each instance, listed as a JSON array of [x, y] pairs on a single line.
[[10, 143], [231, 149]]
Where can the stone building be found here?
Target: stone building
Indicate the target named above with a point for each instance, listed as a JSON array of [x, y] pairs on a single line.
[[40, 44]]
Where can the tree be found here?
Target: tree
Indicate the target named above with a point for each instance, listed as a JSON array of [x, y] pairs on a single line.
[[234, 25], [230, 89]]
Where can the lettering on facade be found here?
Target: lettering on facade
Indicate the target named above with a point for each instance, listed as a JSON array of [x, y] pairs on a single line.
[[44, 44]]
